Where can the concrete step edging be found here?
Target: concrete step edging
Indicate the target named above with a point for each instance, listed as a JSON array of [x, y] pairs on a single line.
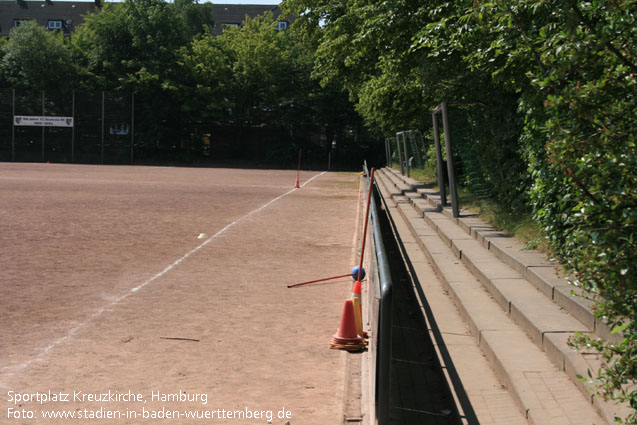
[[412, 207], [546, 275]]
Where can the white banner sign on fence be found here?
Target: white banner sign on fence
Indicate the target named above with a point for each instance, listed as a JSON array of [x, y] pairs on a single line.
[[35, 121]]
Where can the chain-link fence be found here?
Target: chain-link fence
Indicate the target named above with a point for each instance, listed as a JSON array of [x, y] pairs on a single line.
[[114, 127], [410, 150], [76, 126], [486, 157]]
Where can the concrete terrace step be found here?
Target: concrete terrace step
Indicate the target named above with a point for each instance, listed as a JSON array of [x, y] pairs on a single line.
[[521, 325], [546, 275], [480, 396]]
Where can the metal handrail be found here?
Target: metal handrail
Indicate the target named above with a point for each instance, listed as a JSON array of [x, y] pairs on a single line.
[[383, 335], [383, 381]]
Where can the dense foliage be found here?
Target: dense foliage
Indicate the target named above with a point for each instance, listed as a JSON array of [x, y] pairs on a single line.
[[37, 59], [399, 59], [188, 82], [548, 122]]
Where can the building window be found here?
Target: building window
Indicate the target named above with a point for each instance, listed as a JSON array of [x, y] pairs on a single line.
[[282, 25], [55, 25], [19, 22]]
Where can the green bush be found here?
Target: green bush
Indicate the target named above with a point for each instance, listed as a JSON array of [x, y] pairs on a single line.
[[579, 142]]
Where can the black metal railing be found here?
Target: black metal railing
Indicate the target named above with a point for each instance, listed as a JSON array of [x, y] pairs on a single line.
[[380, 316]]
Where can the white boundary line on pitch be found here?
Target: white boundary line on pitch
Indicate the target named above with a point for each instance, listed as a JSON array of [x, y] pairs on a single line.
[[12, 370]]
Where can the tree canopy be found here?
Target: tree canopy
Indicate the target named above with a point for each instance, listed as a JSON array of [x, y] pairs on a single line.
[[36, 59], [552, 125], [184, 79]]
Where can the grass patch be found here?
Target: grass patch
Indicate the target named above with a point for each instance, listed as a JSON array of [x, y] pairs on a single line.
[[426, 175], [519, 224]]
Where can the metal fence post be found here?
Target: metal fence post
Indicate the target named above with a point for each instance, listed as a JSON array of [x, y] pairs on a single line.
[[103, 113], [451, 169], [73, 128], [400, 156], [441, 178], [13, 128], [43, 126], [132, 130], [407, 166]]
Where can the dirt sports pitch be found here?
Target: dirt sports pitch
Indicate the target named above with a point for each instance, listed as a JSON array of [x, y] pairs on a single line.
[[139, 295]]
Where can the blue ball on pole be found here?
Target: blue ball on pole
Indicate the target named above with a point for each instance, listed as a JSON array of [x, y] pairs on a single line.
[[355, 273]]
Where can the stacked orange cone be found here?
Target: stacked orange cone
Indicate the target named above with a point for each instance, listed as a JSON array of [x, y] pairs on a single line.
[[358, 318], [356, 292], [346, 337], [358, 308]]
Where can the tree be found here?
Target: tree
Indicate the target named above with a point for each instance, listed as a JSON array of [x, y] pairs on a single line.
[[35, 58], [205, 89], [554, 129], [134, 46], [259, 62], [254, 75], [576, 71], [399, 59]]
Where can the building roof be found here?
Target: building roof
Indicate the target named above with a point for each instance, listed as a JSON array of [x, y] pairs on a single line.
[[72, 12], [235, 14]]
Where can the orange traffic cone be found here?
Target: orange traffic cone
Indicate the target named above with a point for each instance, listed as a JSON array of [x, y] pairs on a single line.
[[346, 337], [356, 293], [358, 319], [358, 308], [298, 171]]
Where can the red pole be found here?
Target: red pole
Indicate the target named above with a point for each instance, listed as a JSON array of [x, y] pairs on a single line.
[[298, 171], [320, 280], [369, 198]]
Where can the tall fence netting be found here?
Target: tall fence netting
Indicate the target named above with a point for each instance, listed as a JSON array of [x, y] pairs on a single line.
[[101, 130], [486, 159]]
